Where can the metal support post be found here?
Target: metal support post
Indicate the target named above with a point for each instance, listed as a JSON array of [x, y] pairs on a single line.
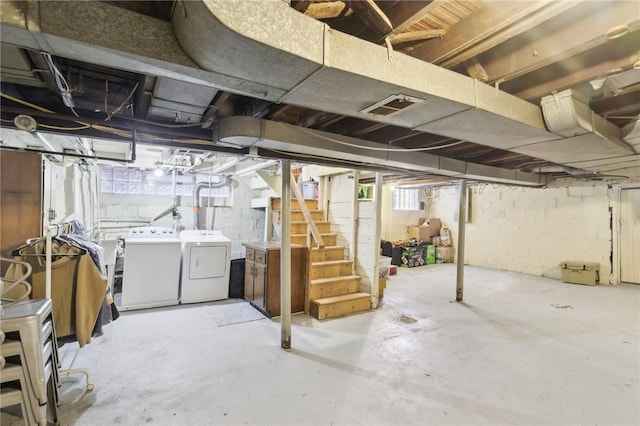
[[285, 257], [462, 217]]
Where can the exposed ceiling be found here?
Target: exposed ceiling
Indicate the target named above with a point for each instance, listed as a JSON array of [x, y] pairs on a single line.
[[176, 74]]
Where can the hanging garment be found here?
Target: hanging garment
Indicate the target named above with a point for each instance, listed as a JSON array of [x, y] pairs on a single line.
[[77, 287]]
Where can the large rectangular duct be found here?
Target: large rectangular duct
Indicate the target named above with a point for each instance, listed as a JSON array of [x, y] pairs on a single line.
[[241, 132]]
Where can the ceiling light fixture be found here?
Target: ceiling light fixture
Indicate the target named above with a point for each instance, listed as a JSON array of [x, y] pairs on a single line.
[[617, 32], [158, 171]]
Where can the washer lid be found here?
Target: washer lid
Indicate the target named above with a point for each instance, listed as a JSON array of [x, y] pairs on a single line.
[[157, 241]]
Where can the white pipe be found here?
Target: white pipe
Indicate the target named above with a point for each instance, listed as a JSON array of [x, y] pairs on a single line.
[[285, 257], [196, 198]]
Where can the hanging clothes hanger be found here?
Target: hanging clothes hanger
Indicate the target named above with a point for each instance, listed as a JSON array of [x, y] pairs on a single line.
[[33, 242]]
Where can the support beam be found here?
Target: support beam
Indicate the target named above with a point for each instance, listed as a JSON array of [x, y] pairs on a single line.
[[285, 257], [375, 289], [462, 217], [417, 35]]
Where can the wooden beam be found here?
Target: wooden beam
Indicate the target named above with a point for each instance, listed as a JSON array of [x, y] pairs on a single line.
[[369, 11], [328, 10], [572, 74], [416, 17], [475, 70], [576, 31], [485, 29], [417, 35]]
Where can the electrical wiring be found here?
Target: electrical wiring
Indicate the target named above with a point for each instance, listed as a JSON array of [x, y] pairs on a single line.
[[430, 148], [47, 126], [29, 104], [61, 82], [117, 110]]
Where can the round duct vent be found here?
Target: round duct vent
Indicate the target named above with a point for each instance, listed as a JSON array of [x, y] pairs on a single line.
[[25, 122]]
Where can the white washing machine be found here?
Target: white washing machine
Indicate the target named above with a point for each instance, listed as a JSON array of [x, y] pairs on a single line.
[[206, 261], [151, 273]]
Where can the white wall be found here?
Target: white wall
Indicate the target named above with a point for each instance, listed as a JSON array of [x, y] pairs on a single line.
[[395, 222], [340, 209], [532, 230], [367, 248], [71, 192]]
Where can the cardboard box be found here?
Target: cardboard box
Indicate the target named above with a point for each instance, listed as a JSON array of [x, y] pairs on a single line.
[[430, 254], [444, 254], [424, 233], [579, 272]]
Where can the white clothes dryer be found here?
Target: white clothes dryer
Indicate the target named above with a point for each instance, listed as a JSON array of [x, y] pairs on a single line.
[[206, 262], [151, 273]]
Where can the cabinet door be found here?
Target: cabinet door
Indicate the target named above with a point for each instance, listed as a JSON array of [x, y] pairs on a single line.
[[248, 279], [259, 285]]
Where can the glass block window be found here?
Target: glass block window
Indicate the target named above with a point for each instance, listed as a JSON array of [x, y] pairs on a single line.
[[405, 199], [134, 181]]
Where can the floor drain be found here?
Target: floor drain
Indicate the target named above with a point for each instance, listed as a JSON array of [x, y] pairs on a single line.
[[407, 320]]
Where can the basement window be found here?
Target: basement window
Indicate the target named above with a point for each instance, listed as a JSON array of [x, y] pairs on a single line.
[[405, 199], [134, 181], [392, 105]]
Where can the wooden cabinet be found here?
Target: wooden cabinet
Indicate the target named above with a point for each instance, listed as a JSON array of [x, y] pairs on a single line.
[[262, 276]]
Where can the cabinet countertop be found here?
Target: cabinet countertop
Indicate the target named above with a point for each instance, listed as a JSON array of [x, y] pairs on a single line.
[[267, 245]]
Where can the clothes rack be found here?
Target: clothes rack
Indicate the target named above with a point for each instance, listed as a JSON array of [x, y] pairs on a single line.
[[48, 244]]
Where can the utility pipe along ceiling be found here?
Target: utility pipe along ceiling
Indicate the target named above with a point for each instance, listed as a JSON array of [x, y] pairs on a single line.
[[511, 91]]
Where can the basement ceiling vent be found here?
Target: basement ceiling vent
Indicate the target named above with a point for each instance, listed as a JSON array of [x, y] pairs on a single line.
[[392, 105]]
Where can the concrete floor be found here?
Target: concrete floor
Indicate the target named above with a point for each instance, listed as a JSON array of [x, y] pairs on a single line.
[[520, 350]]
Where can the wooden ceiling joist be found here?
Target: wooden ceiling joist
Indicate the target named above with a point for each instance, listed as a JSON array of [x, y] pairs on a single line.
[[490, 26], [372, 15], [417, 35]]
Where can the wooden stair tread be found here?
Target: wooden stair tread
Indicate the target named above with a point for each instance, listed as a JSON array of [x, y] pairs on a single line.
[[331, 262], [320, 281], [341, 298], [300, 222], [328, 248], [322, 233]]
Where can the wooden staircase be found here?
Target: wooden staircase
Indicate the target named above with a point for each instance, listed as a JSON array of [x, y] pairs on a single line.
[[332, 289]]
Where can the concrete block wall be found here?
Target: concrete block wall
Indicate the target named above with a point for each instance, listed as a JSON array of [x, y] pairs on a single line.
[[532, 230], [238, 221]]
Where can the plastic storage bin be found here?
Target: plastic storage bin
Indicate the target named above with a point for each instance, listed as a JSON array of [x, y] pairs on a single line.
[[579, 272], [385, 266]]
